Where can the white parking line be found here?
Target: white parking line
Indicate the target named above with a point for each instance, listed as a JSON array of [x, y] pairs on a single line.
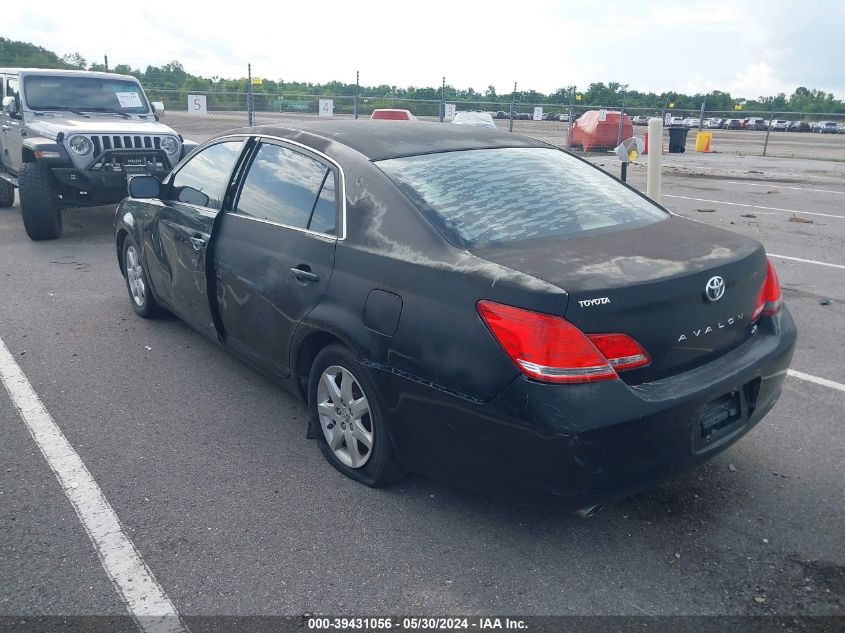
[[824, 382], [807, 261], [755, 206], [145, 599], [777, 186]]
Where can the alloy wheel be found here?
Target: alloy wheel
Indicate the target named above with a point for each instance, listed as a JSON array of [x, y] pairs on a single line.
[[135, 276], [345, 416]]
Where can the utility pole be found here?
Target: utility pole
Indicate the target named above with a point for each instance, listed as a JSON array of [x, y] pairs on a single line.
[[106, 58], [443, 100], [249, 95], [701, 116], [769, 128], [619, 132], [513, 100], [357, 91]]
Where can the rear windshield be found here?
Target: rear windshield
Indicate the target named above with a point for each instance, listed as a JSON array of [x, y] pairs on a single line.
[[83, 93], [481, 197]]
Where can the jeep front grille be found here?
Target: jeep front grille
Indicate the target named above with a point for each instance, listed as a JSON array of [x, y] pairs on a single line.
[[103, 142]]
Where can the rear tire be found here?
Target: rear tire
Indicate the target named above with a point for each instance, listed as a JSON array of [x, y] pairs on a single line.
[[40, 208], [345, 409], [7, 194]]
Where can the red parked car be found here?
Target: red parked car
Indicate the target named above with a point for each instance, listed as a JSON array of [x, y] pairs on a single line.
[[392, 114]]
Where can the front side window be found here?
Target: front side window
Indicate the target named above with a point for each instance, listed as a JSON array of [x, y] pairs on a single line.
[[203, 179], [488, 196], [92, 94], [289, 188]]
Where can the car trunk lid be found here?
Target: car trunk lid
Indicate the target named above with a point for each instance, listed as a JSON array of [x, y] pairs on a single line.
[[651, 283]]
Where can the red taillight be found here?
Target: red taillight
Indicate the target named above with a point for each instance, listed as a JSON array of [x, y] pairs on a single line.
[[769, 300], [621, 350], [551, 349]]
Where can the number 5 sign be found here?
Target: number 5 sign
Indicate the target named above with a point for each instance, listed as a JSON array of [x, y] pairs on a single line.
[[196, 105], [326, 107]]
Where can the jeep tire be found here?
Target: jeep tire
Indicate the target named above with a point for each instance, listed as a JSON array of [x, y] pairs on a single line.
[[7, 194], [40, 208]]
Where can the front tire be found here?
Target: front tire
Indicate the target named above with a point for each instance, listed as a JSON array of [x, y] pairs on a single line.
[[40, 208], [349, 420], [7, 194], [137, 282]]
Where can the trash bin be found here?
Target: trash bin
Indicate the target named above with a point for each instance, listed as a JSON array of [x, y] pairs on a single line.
[[677, 139]]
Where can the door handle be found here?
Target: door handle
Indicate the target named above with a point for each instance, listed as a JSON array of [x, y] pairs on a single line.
[[305, 276], [197, 241]]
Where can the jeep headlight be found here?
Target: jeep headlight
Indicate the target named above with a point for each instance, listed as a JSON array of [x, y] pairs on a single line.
[[80, 145], [169, 145]]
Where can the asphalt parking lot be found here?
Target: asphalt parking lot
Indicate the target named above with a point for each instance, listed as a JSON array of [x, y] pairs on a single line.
[[235, 513]]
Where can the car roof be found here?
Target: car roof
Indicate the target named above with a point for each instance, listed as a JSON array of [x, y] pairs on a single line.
[[379, 140], [59, 72]]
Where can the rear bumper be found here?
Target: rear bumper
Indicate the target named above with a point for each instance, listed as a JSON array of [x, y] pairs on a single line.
[[591, 442]]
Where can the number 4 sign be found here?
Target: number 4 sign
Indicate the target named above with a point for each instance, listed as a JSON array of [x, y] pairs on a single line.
[[197, 105], [326, 107]]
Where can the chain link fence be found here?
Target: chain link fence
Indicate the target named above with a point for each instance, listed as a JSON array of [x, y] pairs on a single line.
[[817, 135]]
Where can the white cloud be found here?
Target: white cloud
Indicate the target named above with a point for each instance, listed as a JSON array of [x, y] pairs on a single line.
[[693, 46], [758, 79]]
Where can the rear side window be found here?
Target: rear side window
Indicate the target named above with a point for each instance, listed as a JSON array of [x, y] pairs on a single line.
[[479, 197], [289, 188]]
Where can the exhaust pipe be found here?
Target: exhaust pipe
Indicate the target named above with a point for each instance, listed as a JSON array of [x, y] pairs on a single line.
[[587, 511]]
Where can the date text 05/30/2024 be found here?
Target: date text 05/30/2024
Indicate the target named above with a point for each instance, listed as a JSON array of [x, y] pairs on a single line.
[[416, 624]]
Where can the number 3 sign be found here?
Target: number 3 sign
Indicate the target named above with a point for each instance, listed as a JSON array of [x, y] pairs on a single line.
[[196, 105]]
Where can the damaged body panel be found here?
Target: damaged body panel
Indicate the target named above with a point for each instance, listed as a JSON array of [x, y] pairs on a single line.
[[340, 234]]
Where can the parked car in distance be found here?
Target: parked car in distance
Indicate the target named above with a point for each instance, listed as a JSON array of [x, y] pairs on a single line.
[[799, 126], [474, 119], [732, 124], [639, 120], [467, 304], [501, 114], [392, 114], [713, 124], [756, 123], [780, 125], [563, 117], [827, 127], [676, 120]]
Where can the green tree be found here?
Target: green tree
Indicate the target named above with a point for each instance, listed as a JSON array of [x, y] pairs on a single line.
[[75, 60]]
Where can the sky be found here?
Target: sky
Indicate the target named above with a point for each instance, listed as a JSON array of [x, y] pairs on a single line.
[[749, 48]]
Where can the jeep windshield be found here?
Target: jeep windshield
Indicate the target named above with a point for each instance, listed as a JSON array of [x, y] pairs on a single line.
[[84, 94]]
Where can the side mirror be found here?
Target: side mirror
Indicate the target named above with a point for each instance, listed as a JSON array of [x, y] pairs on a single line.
[[144, 187], [158, 109], [193, 196], [10, 106]]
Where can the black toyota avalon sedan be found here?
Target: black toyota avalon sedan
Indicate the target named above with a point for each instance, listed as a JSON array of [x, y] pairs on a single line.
[[464, 303]]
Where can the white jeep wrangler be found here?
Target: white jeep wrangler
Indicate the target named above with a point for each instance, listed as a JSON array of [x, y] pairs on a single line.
[[72, 138]]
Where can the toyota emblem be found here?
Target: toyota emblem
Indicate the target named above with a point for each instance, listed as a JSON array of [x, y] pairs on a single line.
[[715, 288]]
